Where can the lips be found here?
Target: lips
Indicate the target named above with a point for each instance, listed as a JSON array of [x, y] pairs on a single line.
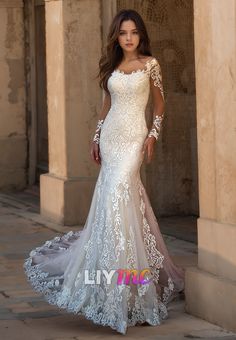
[[128, 44]]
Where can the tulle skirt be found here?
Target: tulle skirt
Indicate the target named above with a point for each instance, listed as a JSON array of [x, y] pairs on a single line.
[[121, 236]]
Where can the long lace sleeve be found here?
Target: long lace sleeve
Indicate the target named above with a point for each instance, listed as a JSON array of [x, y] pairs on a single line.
[[157, 91], [102, 115]]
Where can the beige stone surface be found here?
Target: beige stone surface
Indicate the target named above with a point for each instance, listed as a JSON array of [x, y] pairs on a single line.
[[211, 297], [65, 201], [13, 145], [73, 95], [211, 288], [216, 248], [216, 101], [74, 99]]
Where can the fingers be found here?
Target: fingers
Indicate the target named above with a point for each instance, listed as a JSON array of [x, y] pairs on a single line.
[[95, 154], [97, 158], [92, 154], [150, 153], [149, 146], [144, 146]]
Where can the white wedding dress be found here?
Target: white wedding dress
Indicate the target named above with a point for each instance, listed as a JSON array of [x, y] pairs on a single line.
[[121, 231]]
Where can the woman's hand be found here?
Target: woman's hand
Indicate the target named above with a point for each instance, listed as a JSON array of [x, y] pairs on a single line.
[[95, 154], [149, 146]]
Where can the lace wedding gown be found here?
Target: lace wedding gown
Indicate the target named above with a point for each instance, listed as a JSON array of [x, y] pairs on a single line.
[[121, 231]]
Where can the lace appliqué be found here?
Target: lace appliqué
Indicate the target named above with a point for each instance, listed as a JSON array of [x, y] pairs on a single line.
[[41, 280], [100, 303], [116, 230], [96, 137], [155, 258], [155, 131], [154, 71], [131, 254]]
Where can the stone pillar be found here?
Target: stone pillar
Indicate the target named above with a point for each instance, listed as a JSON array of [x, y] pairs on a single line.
[[109, 9], [13, 141], [73, 48], [211, 287]]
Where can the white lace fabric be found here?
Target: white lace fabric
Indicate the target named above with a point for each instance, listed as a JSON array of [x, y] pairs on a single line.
[[121, 230]]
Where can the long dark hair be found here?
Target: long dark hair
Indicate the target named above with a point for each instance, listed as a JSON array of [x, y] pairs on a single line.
[[113, 54]]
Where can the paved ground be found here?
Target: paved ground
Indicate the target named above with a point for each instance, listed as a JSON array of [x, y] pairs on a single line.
[[25, 315]]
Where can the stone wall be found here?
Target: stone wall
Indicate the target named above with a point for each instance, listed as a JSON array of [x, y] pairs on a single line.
[[74, 101], [210, 289], [13, 142]]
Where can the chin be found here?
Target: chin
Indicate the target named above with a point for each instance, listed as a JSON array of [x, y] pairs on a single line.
[[129, 49]]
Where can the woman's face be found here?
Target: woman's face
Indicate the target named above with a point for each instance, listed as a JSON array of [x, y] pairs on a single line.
[[128, 37]]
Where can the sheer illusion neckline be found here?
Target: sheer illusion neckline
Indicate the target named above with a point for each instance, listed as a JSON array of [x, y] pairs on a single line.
[[134, 71]]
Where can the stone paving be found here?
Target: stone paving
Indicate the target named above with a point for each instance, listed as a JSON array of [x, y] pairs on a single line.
[[24, 314]]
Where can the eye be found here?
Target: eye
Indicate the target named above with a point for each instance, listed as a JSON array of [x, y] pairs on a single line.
[[122, 33], [135, 32]]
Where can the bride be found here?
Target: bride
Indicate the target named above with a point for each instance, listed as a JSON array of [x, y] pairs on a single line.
[[116, 271]]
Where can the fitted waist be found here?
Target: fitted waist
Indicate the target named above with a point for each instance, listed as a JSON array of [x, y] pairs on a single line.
[[125, 109]]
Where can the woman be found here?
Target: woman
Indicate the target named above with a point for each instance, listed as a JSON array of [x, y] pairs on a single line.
[[121, 234]]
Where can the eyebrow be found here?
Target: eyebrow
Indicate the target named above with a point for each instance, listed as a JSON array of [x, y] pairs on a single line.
[[134, 29]]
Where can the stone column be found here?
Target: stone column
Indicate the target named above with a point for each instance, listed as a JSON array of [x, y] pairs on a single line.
[[109, 9], [211, 287], [13, 140], [73, 48]]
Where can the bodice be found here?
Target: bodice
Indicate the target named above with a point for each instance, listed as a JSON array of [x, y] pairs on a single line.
[[129, 92], [125, 125]]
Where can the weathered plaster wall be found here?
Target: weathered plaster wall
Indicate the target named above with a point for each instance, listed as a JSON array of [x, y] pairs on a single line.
[[74, 100], [13, 144], [215, 50]]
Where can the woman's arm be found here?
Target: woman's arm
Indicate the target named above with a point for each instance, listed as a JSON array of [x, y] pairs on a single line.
[[95, 154], [157, 92], [156, 89], [102, 115]]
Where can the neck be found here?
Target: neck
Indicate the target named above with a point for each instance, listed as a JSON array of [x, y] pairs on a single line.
[[130, 55]]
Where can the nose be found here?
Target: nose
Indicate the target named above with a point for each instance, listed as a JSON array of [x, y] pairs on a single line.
[[128, 36]]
